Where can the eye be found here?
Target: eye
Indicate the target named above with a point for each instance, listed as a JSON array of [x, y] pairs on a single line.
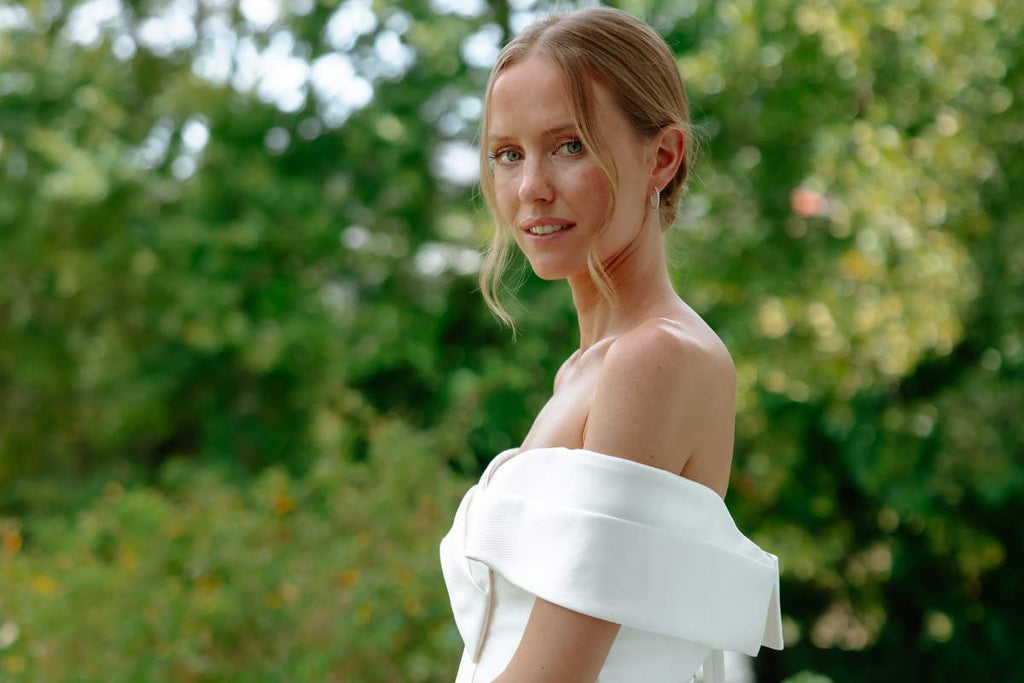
[[500, 155], [573, 144]]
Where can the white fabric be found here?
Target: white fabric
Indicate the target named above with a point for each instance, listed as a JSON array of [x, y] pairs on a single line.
[[714, 667], [614, 539]]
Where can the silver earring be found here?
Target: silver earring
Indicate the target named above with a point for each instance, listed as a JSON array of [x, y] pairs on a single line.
[[655, 198]]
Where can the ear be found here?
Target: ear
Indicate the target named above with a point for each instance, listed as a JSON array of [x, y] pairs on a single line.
[[666, 152]]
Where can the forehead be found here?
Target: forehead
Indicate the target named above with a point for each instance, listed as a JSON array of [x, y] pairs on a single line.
[[530, 99]]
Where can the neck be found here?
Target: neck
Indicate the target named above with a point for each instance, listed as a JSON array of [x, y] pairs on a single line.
[[638, 276]]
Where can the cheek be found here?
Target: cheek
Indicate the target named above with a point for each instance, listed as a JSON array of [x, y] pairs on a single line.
[[583, 186], [506, 197], [506, 194], [594, 186], [595, 181]]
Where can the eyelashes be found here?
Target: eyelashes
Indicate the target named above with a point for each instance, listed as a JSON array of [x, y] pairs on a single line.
[[574, 141], [494, 157]]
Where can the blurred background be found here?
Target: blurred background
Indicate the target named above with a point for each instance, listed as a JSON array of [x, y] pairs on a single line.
[[246, 376]]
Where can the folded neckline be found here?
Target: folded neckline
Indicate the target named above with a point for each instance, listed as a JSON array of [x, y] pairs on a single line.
[[616, 460]]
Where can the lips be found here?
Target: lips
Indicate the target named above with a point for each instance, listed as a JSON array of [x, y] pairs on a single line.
[[534, 222], [546, 227]]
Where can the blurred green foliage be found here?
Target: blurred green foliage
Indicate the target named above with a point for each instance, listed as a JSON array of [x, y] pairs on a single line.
[[321, 578], [245, 374]]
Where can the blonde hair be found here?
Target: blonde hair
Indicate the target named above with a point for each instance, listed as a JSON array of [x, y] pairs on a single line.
[[633, 62]]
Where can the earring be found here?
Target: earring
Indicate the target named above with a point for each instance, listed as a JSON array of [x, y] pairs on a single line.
[[655, 198]]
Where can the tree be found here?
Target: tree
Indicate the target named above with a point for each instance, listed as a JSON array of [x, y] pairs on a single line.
[[238, 234]]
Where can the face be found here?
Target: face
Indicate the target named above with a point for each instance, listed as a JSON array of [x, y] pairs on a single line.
[[543, 172]]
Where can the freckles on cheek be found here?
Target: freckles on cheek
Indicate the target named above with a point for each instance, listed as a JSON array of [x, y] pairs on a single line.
[[594, 178], [596, 186]]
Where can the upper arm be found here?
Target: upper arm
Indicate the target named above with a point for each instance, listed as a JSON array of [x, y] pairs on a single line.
[[653, 398], [560, 646]]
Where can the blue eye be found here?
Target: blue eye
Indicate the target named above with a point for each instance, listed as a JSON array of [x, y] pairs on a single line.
[[573, 142], [500, 154], [574, 147]]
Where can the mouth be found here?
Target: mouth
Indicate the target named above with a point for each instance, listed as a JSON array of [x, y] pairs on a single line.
[[547, 231]]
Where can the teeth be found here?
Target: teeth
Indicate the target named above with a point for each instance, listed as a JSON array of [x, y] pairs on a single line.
[[546, 229]]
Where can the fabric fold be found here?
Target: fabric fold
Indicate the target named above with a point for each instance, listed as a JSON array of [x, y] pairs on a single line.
[[614, 539]]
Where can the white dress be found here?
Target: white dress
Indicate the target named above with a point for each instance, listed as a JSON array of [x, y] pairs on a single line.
[[617, 540]]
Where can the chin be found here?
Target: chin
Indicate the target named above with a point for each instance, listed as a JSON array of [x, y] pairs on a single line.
[[550, 276], [554, 271]]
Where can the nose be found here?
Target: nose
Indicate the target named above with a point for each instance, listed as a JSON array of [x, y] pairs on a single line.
[[536, 185]]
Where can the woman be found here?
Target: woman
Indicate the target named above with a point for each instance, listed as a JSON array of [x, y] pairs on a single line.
[[603, 550]]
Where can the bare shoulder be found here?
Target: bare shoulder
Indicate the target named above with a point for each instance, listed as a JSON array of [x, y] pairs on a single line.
[[665, 392], [663, 345], [561, 371]]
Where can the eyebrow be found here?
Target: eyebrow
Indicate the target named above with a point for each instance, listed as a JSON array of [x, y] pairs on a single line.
[[550, 131]]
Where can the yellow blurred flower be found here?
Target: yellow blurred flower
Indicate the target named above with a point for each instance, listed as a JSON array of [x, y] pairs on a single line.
[[12, 542], [854, 266], [349, 578], [44, 585], [283, 504], [129, 559], [208, 582], [363, 613], [14, 664], [412, 607]]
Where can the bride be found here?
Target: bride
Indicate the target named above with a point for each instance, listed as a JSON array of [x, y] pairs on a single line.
[[604, 550]]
